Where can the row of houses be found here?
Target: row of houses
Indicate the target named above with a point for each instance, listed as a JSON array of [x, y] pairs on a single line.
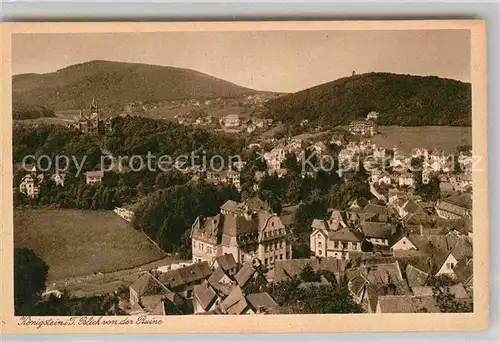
[[31, 182], [387, 227], [220, 287]]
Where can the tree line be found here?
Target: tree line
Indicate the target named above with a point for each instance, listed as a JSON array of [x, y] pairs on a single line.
[[30, 276]]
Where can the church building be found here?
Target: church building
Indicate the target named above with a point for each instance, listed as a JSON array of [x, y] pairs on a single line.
[[92, 123]]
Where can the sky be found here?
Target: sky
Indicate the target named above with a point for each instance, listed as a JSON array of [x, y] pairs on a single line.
[[282, 61]]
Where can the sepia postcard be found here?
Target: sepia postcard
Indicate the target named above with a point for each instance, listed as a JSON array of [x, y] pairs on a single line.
[[244, 177]]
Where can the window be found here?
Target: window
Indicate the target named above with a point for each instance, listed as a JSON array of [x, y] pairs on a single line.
[[281, 256], [449, 265], [320, 252], [194, 244], [267, 247], [265, 261], [271, 259], [319, 243], [288, 255], [272, 224], [354, 245], [201, 247], [404, 242]]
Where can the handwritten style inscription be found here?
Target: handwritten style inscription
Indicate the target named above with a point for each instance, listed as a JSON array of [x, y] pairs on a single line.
[[39, 322]]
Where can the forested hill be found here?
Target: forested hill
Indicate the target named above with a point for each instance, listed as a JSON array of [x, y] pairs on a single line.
[[400, 99], [115, 83]]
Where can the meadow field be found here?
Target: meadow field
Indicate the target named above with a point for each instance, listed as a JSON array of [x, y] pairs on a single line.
[[81, 242], [444, 138]]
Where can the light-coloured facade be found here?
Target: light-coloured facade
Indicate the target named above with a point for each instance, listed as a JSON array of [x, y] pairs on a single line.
[[455, 207], [363, 127], [224, 177], [94, 177], [403, 244], [29, 186], [231, 120], [242, 231], [447, 267], [333, 239]]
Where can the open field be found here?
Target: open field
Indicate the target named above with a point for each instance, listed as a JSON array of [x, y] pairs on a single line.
[[102, 283], [445, 138], [80, 242]]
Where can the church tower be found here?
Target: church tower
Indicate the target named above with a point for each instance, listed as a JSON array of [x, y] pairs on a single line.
[[94, 111], [95, 122]]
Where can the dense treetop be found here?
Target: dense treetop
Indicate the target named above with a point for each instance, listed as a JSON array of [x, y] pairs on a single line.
[[399, 99]]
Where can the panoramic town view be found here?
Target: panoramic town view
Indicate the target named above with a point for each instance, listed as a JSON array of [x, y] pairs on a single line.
[[307, 172]]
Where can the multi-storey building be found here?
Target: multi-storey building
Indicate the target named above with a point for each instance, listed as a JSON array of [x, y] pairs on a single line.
[[333, 238], [224, 177], [455, 207], [94, 177], [363, 127], [29, 186], [246, 230], [231, 120]]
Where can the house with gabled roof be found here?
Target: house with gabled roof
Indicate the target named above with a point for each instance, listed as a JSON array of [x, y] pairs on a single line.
[[287, 269], [464, 272], [410, 207], [459, 245], [402, 242], [455, 207], [343, 241], [418, 271], [221, 282], [182, 280], [148, 295], [444, 262], [261, 303], [235, 303], [378, 233], [357, 204], [321, 228], [205, 298], [227, 263], [250, 273], [372, 279]]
